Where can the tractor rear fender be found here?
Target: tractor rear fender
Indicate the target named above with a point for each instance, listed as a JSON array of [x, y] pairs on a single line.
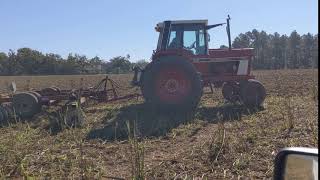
[[173, 52]]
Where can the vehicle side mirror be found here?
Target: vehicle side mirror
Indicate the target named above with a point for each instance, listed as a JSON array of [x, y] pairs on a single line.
[[208, 37], [296, 163]]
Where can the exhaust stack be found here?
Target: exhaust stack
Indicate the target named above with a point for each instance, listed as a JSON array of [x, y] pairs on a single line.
[[228, 32]]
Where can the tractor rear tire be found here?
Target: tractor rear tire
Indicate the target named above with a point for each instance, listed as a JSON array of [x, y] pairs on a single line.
[[25, 104], [252, 93], [171, 82]]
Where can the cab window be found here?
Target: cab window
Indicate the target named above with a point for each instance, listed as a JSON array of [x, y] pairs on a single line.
[[189, 40], [189, 37], [173, 40]]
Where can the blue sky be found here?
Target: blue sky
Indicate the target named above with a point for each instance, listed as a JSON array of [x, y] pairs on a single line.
[[116, 28]]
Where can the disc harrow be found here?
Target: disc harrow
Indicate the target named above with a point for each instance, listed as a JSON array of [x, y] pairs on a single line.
[[26, 104]]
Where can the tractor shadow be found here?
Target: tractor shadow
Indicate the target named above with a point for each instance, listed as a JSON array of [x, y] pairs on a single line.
[[141, 120], [225, 112]]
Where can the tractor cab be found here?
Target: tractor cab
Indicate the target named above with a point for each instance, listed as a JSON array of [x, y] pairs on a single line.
[[190, 35]]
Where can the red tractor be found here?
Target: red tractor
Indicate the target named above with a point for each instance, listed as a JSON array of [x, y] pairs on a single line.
[[182, 65]]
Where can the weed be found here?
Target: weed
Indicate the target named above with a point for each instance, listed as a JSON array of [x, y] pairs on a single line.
[[217, 144], [68, 116], [136, 154], [289, 108]]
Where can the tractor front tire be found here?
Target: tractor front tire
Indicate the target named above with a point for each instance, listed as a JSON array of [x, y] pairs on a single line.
[[230, 91], [252, 93], [171, 82]]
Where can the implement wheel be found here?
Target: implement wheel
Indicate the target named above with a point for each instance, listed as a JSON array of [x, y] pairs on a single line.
[[252, 93], [171, 81], [36, 94], [4, 115], [51, 91], [25, 104], [58, 90]]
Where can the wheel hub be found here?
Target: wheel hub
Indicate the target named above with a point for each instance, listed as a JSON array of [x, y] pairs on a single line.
[[172, 85]]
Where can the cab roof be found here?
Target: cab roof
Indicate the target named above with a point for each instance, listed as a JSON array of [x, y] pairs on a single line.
[[201, 21]]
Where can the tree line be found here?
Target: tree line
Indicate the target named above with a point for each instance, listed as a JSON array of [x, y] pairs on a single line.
[[275, 51], [272, 51], [27, 61]]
